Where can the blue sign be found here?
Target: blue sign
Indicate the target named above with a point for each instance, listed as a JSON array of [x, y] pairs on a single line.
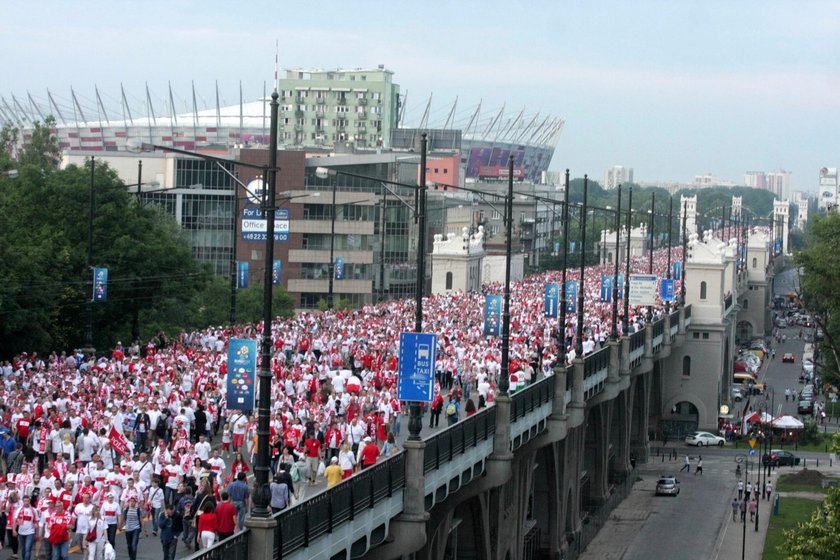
[[552, 299], [677, 269], [556, 247], [276, 273], [339, 268], [666, 289], [752, 452], [606, 288], [416, 379], [777, 246], [241, 374], [571, 297], [621, 285], [100, 284], [572, 247], [492, 315], [255, 224], [242, 274]]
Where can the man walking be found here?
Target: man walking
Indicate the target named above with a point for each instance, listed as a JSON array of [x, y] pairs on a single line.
[[740, 489], [749, 491], [699, 469], [168, 539], [687, 465], [735, 505], [769, 489]]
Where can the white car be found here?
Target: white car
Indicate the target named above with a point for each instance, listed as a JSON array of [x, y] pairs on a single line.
[[701, 439]]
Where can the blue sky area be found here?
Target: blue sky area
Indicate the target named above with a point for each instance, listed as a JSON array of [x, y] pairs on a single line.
[[671, 88]]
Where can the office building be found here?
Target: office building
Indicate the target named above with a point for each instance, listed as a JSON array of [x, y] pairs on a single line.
[[617, 175]]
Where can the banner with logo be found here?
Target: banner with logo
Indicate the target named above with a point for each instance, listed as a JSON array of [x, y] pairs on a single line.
[[571, 297], [276, 275], [621, 285], [552, 299], [241, 374], [339, 268], [556, 247], [677, 269], [100, 284], [118, 442], [667, 289], [492, 315], [606, 288], [242, 274], [571, 246]]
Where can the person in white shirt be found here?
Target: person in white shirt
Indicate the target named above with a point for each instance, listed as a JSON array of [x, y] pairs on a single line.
[[24, 525], [83, 512], [144, 468], [202, 448], [111, 512], [217, 466]]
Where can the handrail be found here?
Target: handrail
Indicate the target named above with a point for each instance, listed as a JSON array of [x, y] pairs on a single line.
[[456, 439], [659, 328], [235, 547], [530, 398], [637, 340], [675, 317], [595, 362]]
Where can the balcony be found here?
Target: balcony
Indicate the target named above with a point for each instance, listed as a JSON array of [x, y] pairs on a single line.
[[361, 116], [363, 101], [342, 101]]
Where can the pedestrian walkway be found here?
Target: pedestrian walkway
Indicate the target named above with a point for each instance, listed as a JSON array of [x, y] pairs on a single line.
[[733, 539]]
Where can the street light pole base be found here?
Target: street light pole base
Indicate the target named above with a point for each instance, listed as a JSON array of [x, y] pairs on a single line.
[[261, 537]]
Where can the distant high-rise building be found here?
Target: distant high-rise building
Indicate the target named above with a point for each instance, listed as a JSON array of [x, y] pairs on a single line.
[[778, 182], [756, 179], [617, 175]]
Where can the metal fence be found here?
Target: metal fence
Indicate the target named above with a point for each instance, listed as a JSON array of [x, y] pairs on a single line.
[[531, 397], [455, 440], [658, 332], [234, 547], [299, 525], [592, 364]]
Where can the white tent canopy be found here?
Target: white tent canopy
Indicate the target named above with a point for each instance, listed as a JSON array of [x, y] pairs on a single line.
[[788, 422]]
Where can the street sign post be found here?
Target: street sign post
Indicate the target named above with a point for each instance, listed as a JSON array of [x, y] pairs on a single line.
[[642, 289], [416, 380]]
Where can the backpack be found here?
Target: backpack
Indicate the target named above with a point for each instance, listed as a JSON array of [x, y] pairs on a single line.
[[451, 410]]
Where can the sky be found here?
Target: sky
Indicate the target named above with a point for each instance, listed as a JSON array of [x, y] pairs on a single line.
[[670, 88]]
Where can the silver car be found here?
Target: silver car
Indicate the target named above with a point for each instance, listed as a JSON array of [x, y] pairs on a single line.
[[667, 485], [701, 439]]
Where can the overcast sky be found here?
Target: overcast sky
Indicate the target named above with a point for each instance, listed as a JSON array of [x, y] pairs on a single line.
[[671, 88]]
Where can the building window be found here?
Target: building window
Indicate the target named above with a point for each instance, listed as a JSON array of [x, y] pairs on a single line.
[[702, 290], [746, 304], [497, 215], [686, 366], [755, 262], [705, 336], [448, 280]]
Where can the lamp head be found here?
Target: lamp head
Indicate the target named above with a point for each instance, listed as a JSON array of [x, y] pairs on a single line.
[[324, 172]]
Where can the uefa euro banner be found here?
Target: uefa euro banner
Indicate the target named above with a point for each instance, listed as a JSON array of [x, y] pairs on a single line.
[[241, 374], [492, 315], [571, 297], [100, 284], [242, 274], [606, 288], [552, 299], [276, 273]]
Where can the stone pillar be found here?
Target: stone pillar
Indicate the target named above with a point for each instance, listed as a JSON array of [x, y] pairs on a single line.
[[578, 405], [499, 462], [614, 374], [261, 537], [666, 341], [649, 340], [624, 366], [558, 406], [682, 320]]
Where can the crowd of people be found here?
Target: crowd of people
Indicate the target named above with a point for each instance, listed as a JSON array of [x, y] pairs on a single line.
[[141, 439]]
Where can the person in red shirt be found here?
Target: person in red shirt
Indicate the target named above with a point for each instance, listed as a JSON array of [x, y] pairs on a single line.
[[208, 523], [370, 453], [23, 426], [226, 517], [313, 456]]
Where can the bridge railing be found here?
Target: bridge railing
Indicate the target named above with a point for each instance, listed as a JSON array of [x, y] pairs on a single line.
[[234, 547], [675, 322], [531, 397], [595, 372], [658, 335], [455, 440], [637, 348], [298, 526]]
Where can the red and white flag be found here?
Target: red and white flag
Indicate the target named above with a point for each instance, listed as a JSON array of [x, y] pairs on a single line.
[[118, 442]]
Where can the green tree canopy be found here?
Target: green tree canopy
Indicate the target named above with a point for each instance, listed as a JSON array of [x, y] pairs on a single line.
[[45, 282], [816, 539]]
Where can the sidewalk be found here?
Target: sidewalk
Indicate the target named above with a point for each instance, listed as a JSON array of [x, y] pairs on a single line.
[[732, 540]]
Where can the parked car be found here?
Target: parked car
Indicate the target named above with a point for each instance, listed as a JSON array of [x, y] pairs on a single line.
[[705, 438], [789, 358], [808, 367], [737, 394], [779, 458], [667, 485], [805, 406]]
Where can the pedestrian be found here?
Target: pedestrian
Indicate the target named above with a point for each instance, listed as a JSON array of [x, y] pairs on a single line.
[[699, 469], [735, 505], [168, 538], [132, 520], [753, 508], [769, 489], [226, 517], [744, 511], [748, 491], [687, 465], [787, 394], [740, 489], [207, 525]]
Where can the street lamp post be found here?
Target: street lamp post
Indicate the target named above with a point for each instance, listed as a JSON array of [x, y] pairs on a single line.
[[89, 349], [670, 223], [564, 262], [332, 246], [580, 299], [415, 423], [625, 322], [684, 253], [504, 381], [614, 333]]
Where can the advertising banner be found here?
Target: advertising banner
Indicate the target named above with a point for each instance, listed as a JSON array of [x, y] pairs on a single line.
[[492, 315], [339, 268], [242, 374], [255, 224], [552, 299], [242, 274], [276, 273], [666, 289], [571, 297], [677, 269], [100, 284], [606, 288]]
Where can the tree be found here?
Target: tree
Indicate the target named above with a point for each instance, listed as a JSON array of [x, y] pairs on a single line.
[[41, 150], [816, 539], [44, 284], [818, 281]]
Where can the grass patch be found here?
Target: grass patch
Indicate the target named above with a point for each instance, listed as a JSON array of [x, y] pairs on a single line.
[[795, 482], [791, 512]]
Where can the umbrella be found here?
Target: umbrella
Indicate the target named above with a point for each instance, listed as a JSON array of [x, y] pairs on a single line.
[[788, 422], [758, 416]]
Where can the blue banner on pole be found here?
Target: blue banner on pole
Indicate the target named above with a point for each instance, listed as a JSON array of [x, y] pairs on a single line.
[[777, 246], [606, 288], [276, 273], [571, 297], [241, 374], [666, 289], [492, 315], [100, 284], [571, 246], [556, 247], [416, 378], [677, 269], [242, 274], [339, 268], [621, 286], [552, 299]]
